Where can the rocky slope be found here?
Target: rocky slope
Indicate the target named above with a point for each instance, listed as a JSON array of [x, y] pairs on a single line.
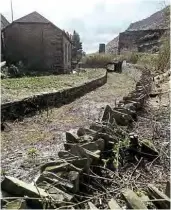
[[158, 20]]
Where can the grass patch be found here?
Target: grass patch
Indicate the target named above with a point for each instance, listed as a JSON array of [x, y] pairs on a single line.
[[19, 88]]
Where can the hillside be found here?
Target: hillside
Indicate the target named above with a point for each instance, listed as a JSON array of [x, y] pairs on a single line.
[[112, 46], [158, 20]]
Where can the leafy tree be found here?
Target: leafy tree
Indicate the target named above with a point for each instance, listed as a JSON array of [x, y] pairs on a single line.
[[77, 50]]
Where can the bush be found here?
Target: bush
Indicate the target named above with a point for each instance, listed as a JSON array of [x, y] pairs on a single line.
[[100, 60], [133, 58], [163, 62], [148, 60], [12, 70], [97, 60]]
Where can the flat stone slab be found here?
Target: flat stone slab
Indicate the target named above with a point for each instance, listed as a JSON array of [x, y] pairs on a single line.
[[113, 205], [132, 199], [17, 187], [16, 204], [71, 138], [63, 167]]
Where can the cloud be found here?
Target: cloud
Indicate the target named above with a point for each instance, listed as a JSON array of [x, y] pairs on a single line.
[[98, 21]]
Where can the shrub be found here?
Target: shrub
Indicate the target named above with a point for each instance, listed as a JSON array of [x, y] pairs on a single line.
[[133, 58], [147, 59], [97, 60], [100, 60], [163, 62], [13, 70]]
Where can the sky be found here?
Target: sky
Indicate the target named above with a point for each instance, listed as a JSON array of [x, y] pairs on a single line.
[[97, 21]]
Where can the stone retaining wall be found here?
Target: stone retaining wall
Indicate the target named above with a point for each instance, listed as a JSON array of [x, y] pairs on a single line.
[[29, 106]]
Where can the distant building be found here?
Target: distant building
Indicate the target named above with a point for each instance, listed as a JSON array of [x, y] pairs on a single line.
[[4, 24], [101, 48], [38, 43]]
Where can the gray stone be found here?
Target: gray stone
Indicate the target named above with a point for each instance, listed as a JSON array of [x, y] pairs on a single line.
[[77, 150], [96, 145], [57, 181], [71, 138], [107, 115], [17, 187], [83, 163], [48, 164], [121, 118], [85, 131], [92, 146], [133, 201], [62, 167], [127, 111], [92, 206], [16, 204], [58, 195], [73, 176], [81, 132], [113, 205], [65, 154]]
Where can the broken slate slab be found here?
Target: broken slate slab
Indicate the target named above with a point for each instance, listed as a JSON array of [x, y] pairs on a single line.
[[17, 187], [133, 201], [108, 115], [113, 205], [161, 200], [48, 164], [85, 131], [72, 138], [127, 111], [56, 180], [62, 167], [92, 146], [16, 204], [92, 206], [148, 148], [122, 118], [83, 163], [65, 154], [58, 195]]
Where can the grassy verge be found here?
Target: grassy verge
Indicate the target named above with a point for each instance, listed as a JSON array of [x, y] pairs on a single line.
[[19, 88]]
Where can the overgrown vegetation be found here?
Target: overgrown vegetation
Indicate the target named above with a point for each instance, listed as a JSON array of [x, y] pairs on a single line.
[[163, 61], [99, 60], [13, 71]]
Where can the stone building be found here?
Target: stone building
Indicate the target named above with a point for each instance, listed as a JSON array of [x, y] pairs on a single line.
[[38, 43], [4, 24]]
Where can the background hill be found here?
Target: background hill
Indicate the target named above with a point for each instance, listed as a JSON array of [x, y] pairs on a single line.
[[158, 20]]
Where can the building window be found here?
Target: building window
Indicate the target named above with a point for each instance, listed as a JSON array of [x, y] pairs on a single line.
[[66, 53]]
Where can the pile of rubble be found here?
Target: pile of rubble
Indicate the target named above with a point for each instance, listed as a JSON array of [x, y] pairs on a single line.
[[59, 183]]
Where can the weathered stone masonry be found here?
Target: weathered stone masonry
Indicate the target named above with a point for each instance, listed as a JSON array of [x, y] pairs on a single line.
[[18, 109]]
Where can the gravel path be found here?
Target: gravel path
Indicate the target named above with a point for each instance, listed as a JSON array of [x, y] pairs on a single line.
[[45, 133]]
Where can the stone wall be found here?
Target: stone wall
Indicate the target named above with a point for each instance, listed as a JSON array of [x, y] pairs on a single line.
[[30, 106]]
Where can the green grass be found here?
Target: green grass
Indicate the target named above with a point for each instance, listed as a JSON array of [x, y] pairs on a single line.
[[19, 88]]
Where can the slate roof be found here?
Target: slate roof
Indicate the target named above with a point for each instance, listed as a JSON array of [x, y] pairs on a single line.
[[4, 22], [33, 17]]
